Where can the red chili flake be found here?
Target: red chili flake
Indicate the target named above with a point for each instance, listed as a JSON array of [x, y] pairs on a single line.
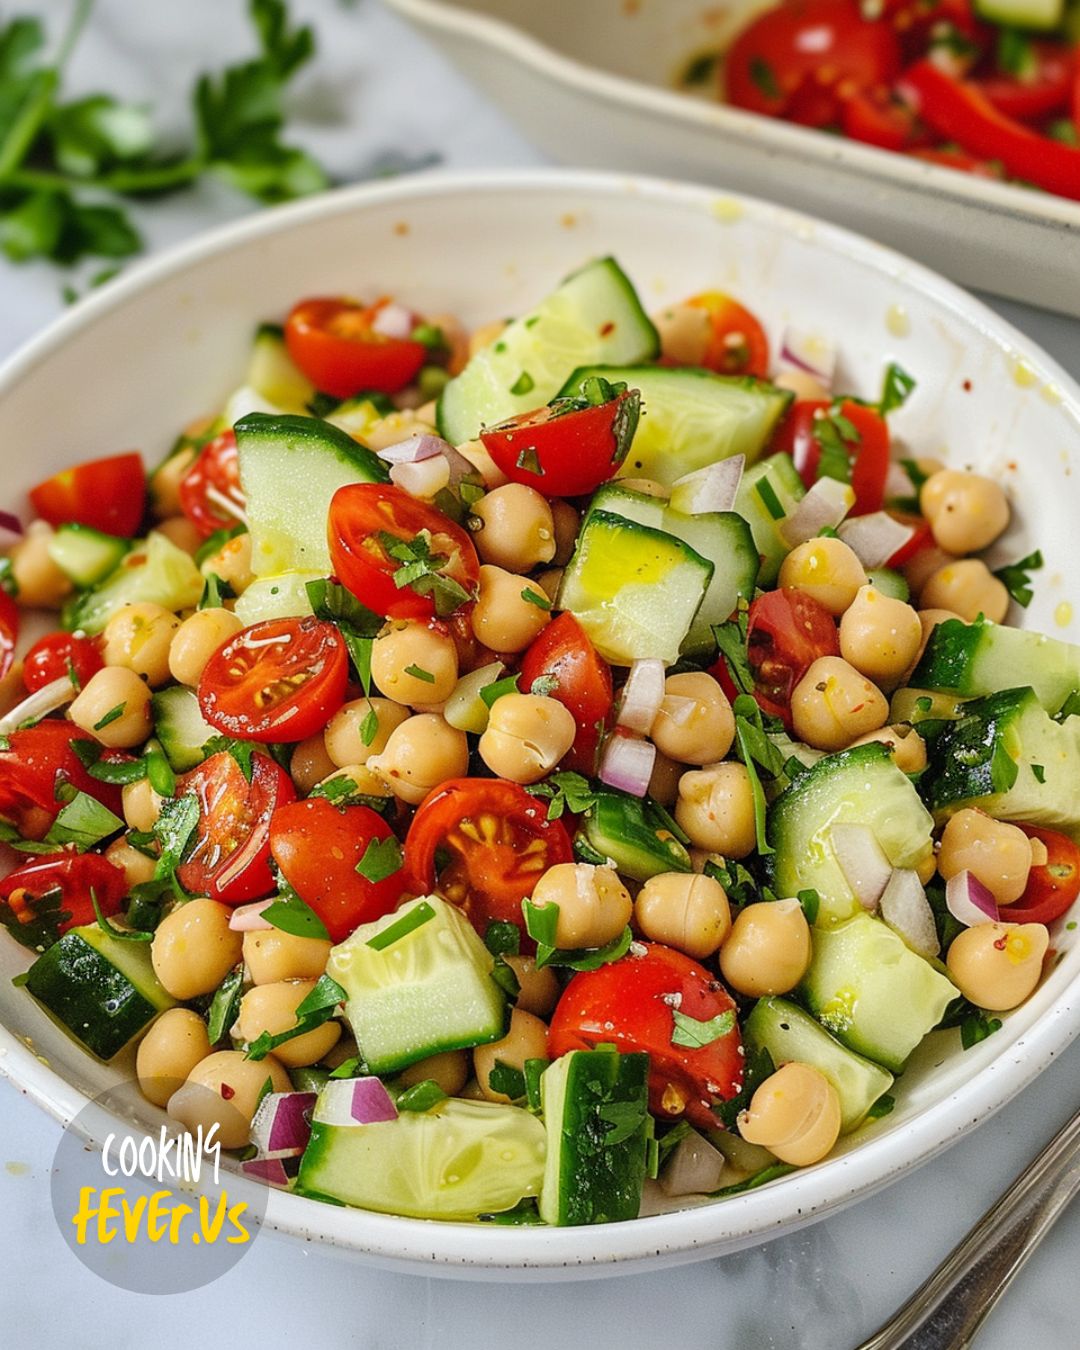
[[607, 329], [228, 1092], [966, 386], [1002, 942]]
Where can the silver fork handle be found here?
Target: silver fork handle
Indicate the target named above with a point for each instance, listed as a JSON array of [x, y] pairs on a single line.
[[946, 1312]]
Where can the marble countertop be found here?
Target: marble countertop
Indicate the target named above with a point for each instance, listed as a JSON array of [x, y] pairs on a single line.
[[378, 98]]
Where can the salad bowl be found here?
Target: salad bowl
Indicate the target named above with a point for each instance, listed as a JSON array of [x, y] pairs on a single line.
[[137, 361]]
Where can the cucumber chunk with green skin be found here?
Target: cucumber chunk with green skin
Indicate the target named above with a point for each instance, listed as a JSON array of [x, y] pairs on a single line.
[[85, 555], [690, 417], [633, 589], [427, 991], [595, 315], [863, 786], [872, 992], [596, 1113], [290, 468], [768, 493], [631, 833], [889, 583], [155, 572], [459, 1160], [972, 659], [788, 1033], [180, 727], [914, 705], [272, 373], [1038, 14], [101, 990], [1007, 756], [283, 596]]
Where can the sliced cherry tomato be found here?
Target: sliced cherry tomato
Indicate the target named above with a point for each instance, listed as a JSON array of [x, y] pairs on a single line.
[[568, 448], [1040, 92], [1053, 886], [922, 538], [9, 632], [362, 515], [64, 881], [56, 655], [317, 846], [229, 860], [631, 1003], [583, 685], [334, 344], [814, 424], [497, 841], [279, 680], [106, 494], [737, 345], [36, 762], [957, 159], [875, 117], [214, 474], [787, 631]]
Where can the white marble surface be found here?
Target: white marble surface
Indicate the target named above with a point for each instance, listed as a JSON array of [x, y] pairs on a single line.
[[378, 91]]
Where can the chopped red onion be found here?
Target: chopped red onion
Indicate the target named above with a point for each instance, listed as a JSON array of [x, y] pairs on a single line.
[[825, 505], [874, 538], [810, 352], [898, 482], [249, 919], [11, 523], [282, 1124], [694, 1168], [414, 449], [393, 321], [270, 1170], [713, 488], [642, 695], [969, 901], [862, 861], [423, 479], [906, 910], [627, 764], [351, 1101]]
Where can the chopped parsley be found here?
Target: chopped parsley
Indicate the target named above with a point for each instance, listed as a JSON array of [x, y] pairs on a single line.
[[318, 1007], [491, 693], [524, 384], [1016, 577], [508, 1080], [537, 598], [895, 389], [418, 674], [566, 791], [835, 435], [113, 715], [409, 922], [421, 1096], [694, 1034], [225, 1005], [382, 858], [764, 77], [422, 571], [292, 915]]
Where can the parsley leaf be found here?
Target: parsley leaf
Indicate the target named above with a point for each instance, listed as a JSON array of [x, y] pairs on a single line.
[[731, 640], [976, 1026], [507, 1079], [382, 858], [1016, 577], [422, 1096], [691, 1032], [83, 821], [409, 922], [225, 1005], [835, 435], [489, 693], [291, 915], [422, 571], [895, 388], [318, 1007], [566, 791]]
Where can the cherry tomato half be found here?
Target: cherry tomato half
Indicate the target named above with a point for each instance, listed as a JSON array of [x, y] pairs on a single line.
[[568, 448], [9, 632], [279, 680], [583, 685], [1040, 92], [215, 473], [334, 344], [738, 345], [229, 860], [1051, 888], [317, 846], [67, 877], [812, 425], [786, 633], [36, 762], [631, 1003], [361, 515], [498, 843], [923, 537], [56, 654], [106, 494]]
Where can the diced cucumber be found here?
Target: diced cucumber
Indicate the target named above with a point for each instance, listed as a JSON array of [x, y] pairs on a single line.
[[595, 315], [632, 834], [914, 705], [595, 1105], [1008, 757], [788, 1033], [633, 589], [290, 468], [1039, 14], [180, 727], [873, 993], [272, 373], [861, 785], [154, 572], [278, 597], [102, 990], [691, 418], [85, 555], [971, 659], [890, 583], [465, 709], [427, 991], [459, 1160], [768, 493]]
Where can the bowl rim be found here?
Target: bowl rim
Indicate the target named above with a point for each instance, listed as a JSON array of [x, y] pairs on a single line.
[[471, 1250], [762, 134]]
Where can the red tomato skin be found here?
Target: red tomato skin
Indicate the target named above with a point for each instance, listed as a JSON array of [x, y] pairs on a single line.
[[870, 453], [317, 846], [787, 631], [584, 684], [216, 466], [1052, 888], [230, 861], [36, 762], [334, 345], [9, 632], [922, 538], [48, 659], [631, 1003], [75, 874], [106, 494], [1045, 93], [730, 320]]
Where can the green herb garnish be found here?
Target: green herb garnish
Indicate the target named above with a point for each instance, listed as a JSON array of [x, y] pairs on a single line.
[[382, 858], [408, 923]]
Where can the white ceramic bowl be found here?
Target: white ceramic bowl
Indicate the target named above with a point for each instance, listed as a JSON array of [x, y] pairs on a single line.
[[167, 341]]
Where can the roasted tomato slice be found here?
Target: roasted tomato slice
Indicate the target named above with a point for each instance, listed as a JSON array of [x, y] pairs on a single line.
[[279, 680], [318, 847], [843, 430], [786, 633], [106, 494], [212, 484], [35, 764], [55, 890], [632, 1003], [484, 843], [583, 685], [58, 654], [1052, 887], [229, 859], [334, 343]]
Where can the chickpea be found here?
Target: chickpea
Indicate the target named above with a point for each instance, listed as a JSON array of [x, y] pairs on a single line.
[[685, 333], [994, 852], [450, 1069], [716, 809], [825, 569], [310, 763], [538, 990], [40, 583], [966, 511], [194, 948], [420, 754], [879, 636], [526, 1039], [168, 1052], [94, 709], [695, 724], [414, 664], [485, 335], [664, 779], [180, 531], [594, 905], [684, 910], [803, 385], [833, 704], [197, 639], [225, 1089], [141, 805], [907, 746], [567, 523], [476, 452], [165, 482], [927, 869], [795, 1114], [12, 688], [503, 619], [550, 582], [272, 955], [969, 588], [136, 866], [232, 563], [922, 567], [768, 950], [344, 738], [138, 638], [516, 529], [272, 1008], [997, 965], [526, 737]]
